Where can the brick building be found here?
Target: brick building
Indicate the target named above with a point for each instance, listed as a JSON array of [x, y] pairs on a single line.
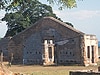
[[51, 42]]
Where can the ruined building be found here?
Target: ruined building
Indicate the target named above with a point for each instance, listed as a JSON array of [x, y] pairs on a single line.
[[51, 42]]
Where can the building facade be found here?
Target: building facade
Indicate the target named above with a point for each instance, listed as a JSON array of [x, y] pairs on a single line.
[[51, 42]]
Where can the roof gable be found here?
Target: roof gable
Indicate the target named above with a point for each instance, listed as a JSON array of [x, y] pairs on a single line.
[[64, 24], [46, 21]]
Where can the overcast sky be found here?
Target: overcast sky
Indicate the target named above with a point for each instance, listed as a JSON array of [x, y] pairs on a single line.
[[86, 17]]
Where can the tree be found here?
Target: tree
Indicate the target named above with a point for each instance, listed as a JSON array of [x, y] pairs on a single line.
[[63, 3], [60, 3], [24, 15]]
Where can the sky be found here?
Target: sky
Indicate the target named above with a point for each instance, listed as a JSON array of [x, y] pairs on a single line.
[[85, 17]]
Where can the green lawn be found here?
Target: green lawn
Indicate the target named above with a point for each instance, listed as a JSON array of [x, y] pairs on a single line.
[[48, 70]]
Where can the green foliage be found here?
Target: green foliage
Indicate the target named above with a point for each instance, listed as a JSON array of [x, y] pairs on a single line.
[[24, 15], [69, 24], [15, 22], [61, 3]]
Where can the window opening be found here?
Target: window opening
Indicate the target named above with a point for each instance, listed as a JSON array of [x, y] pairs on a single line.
[[50, 52], [88, 51]]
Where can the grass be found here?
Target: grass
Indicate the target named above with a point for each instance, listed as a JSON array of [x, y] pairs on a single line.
[[48, 70]]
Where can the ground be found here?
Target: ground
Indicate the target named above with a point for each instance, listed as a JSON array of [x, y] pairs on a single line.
[[48, 70]]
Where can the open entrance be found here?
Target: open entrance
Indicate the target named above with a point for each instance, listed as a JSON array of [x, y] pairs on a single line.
[[92, 48], [48, 52], [90, 53]]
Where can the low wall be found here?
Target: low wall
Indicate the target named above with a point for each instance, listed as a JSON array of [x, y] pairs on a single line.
[[83, 73]]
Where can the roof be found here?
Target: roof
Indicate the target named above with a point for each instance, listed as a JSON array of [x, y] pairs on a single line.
[[28, 30], [51, 18], [64, 24]]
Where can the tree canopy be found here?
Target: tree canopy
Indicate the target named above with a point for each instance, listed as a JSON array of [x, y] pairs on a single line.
[[61, 3], [25, 13]]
